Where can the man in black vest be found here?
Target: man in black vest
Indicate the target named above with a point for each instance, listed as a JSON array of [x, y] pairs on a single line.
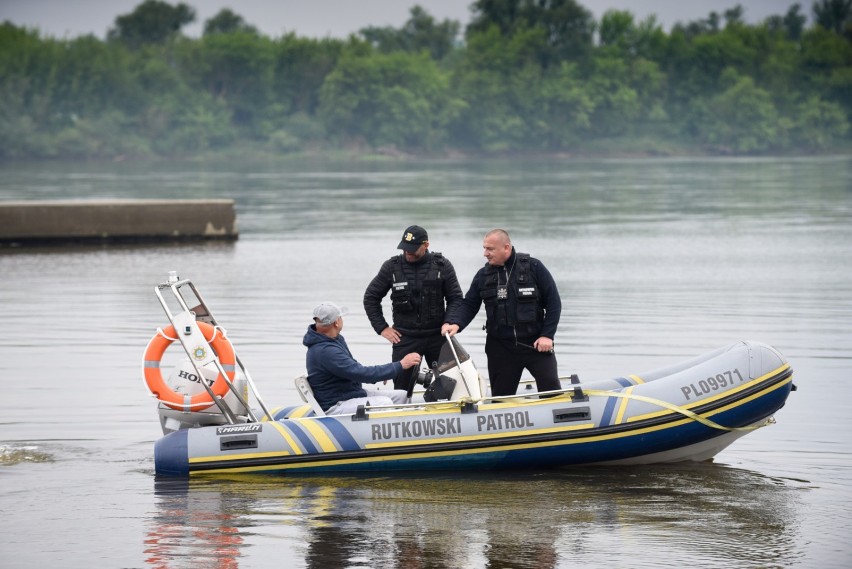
[[420, 282], [522, 309]]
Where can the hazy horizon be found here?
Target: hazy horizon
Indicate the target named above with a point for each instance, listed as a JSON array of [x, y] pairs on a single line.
[[337, 18]]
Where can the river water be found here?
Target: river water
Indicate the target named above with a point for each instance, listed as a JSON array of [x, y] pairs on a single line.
[[656, 261]]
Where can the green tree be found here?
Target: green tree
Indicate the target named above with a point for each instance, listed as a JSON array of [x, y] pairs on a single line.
[[301, 66], [694, 65], [528, 78], [835, 16], [709, 25], [791, 24], [173, 113], [397, 99], [740, 119], [237, 69], [227, 22], [566, 109], [152, 22], [621, 36], [26, 65], [780, 70], [826, 67], [420, 33], [824, 51], [567, 27], [55, 93], [95, 78], [818, 124], [625, 94], [497, 78], [734, 16]]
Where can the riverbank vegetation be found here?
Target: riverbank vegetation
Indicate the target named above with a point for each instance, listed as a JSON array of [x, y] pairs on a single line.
[[523, 77]]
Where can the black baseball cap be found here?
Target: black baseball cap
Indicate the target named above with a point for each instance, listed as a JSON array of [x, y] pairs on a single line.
[[412, 239]]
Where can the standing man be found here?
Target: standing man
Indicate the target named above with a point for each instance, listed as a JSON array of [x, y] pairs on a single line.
[[420, 282], [522, 309]]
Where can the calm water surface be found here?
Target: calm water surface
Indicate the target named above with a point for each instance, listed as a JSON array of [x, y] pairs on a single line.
[[656, 260]]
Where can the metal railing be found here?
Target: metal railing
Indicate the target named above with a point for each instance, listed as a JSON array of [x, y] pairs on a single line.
[[185, 320]]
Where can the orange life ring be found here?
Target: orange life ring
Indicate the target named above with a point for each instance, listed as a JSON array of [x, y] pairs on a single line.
[[160, 389]]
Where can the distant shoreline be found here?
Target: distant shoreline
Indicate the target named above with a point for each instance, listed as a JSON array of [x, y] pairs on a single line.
[[392, 154]]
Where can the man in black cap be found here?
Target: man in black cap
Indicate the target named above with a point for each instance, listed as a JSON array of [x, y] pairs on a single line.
[[424, 288]]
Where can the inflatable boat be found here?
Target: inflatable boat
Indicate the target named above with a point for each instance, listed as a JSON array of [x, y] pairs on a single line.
[[214, 420]]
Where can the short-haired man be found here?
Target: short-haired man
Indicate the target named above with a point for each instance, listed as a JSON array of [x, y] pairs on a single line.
[[522, 308]]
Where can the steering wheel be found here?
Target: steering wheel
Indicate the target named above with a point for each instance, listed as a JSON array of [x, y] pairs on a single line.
[[412, 380]]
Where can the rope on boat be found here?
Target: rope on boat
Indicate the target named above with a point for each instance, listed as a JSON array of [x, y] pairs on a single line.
[[677, 409], [163, 392], [216, 329], [160, 332]]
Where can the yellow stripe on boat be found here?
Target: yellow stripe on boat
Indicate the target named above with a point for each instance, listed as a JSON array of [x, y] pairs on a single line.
[[217, 458], [623, 406], [483, 437], [463, 452], [300, 412], [450, 406], [294, 446], [722, 395], [754, 396], [501, 448], [320, 436]]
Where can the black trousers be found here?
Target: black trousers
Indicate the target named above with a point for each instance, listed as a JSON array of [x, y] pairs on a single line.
[[507, 361], [428, 346]]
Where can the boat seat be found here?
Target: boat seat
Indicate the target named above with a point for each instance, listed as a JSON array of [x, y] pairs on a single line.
[[307, 394]]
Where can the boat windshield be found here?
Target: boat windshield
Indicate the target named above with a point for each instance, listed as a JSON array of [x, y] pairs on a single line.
[[447, 360]]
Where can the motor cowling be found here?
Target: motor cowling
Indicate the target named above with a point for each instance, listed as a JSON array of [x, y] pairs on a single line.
[[185, 380]]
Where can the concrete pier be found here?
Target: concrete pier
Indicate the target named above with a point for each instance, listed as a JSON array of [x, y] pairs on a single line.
[[56, 222]]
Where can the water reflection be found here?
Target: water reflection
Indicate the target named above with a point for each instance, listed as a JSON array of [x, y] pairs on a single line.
[[713, 515], [197, 528]]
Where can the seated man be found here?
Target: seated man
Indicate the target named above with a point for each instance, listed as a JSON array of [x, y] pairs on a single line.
[[336, 377]]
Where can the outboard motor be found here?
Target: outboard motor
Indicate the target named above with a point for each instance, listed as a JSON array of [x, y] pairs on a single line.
[[455, 364], [209, 385], [184, 380]]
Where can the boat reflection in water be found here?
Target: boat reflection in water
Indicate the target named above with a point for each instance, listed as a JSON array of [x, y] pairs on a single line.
[[716, 516]]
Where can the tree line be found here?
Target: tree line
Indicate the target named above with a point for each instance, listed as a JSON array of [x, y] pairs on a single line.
[[524, 76]]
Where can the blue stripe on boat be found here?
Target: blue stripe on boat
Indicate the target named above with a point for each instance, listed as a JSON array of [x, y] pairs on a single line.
[[284, 411], [339, 432], [609, 409], [304, 438]]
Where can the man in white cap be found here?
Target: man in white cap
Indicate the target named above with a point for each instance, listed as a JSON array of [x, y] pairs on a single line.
[[335, 376]]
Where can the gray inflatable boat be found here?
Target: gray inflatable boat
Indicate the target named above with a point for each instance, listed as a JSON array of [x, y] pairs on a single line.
[[214, 420]]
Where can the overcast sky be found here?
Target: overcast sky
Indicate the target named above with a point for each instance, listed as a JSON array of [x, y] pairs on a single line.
[[339, 18]]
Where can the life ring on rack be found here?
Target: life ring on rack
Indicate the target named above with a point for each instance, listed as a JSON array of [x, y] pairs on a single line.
[[160, 389]]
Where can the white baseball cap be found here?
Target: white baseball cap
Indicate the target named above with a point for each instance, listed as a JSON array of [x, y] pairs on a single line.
[[327, 313]]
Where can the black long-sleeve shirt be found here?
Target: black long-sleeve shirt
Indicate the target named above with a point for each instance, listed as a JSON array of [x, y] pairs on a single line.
[[548, 299], [415, 273]]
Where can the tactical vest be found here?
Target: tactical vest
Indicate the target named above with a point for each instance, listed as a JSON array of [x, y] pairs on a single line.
[[429, 312], [514, 303]]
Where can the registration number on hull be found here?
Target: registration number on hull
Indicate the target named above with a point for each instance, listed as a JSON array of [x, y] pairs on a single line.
[[714, 383]]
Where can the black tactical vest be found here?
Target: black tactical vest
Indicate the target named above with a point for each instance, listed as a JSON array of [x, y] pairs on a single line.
[[429, 311], [514, 303]]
